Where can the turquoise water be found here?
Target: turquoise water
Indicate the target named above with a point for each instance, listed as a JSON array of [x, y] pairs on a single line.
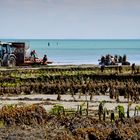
[[84, 51]]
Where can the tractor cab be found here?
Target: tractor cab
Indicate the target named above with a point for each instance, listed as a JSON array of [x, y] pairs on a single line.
[[12, 53], [4, 48]]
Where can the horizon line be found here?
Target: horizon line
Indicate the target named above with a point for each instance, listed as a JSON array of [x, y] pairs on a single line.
[[70, 38]]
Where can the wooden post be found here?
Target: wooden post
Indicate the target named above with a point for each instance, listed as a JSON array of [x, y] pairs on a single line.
[[87, 108]]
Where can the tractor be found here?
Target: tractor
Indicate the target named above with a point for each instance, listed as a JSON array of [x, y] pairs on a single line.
[[14, 54]]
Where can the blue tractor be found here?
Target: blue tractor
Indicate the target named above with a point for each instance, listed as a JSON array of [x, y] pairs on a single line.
[[12, 53]]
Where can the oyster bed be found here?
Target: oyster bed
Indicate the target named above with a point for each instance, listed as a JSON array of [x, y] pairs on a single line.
[[28, 96], [44, 126]]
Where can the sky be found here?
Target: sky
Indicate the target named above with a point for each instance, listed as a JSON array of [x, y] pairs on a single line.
[[70, 19]]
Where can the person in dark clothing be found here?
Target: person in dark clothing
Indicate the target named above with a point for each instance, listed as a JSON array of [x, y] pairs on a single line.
[[33, 55], [133, 68], [44, 59], [102, 68]]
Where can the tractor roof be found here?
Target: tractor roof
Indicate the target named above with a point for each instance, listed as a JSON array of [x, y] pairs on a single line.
[[5, 43], [13, 44]]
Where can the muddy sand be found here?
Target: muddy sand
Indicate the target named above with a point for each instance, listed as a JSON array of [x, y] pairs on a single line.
[[48, 101]]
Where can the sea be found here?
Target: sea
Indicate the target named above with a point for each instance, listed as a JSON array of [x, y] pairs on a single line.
[[82, 51]]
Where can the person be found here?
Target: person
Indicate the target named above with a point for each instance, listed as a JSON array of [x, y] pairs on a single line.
[[33, 55], [133, 68], [102, 67], [44, 59]]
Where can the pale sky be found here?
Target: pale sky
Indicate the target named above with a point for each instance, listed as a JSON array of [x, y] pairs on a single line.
[[70, 19]]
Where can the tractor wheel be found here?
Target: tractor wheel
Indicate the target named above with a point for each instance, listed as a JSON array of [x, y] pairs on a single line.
[[11, 62]]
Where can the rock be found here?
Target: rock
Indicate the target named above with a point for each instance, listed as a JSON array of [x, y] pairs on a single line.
[[92, 137], [114, 135]]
